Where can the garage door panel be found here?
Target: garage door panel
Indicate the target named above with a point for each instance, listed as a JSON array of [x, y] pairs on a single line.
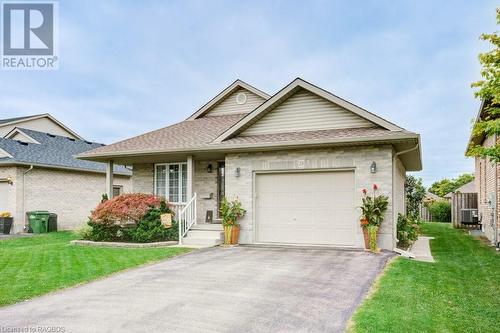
[[306, 208]]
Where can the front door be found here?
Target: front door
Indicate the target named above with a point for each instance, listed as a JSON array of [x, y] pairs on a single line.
[[221, 176]]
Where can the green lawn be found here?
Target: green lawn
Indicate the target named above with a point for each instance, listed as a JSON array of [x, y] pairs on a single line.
[[458, 293], [37, 265]]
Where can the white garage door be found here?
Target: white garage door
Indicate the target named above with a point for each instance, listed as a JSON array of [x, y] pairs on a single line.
[[306, 208]]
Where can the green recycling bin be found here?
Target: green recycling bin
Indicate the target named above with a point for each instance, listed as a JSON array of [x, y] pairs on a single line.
[[39, 221]]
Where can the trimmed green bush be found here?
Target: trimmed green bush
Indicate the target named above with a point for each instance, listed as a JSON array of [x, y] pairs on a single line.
[[149, 229], [103, 232], [440, 211]]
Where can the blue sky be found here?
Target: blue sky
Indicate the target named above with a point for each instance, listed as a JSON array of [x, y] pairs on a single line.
[[127, 67]]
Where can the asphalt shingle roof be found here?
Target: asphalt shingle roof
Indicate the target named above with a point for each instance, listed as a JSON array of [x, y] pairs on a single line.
[[53, 150], [197, 133], [8, 120], [201, 133]]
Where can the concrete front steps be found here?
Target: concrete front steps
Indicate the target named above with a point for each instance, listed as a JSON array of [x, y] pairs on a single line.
[[204, 235]]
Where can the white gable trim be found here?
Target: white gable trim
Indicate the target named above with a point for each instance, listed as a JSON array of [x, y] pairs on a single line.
[[15, 131], [45, 115], [286, 92], [4, 153], [226, 92]]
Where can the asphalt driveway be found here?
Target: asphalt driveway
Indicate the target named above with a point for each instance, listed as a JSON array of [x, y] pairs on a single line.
[[241, 289]]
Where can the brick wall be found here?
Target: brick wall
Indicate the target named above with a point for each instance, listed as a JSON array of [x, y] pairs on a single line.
[[358, 158], [204, 184], [486, 174], [143, 178], [8, 192], [69, 194], [399, 190]]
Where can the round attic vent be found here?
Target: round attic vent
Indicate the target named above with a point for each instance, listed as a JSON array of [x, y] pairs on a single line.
[[241, 98]]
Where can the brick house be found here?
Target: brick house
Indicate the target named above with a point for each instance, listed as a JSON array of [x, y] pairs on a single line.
[[487, 175], [297, 160], [38, 171]]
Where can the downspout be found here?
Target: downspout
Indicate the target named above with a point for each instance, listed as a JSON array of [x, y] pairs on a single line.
[[394, 215], [24, 192], [495, 214]]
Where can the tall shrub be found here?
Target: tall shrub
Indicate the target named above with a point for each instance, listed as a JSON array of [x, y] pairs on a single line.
[[124, 208], [440, 211], [415, 193]]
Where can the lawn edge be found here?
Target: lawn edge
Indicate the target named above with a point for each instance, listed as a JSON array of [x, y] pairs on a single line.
[[371, 292], [80, 284]]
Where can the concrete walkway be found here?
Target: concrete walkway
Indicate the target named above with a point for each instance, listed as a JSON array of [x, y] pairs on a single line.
[[239, 289], [422, 249]]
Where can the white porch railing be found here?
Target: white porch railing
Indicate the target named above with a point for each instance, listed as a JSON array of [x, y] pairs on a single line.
[[176, 208], [187, 217]]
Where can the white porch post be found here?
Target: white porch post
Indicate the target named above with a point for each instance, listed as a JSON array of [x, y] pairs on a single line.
[[109, 179], [190, 189], [190, 176]]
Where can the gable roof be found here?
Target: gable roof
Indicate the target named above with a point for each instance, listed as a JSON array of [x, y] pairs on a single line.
[[288, 91], [52, 151], [16, 133], [469, 187], [430, 195], [223, 94], [202, 135], [17, 120]]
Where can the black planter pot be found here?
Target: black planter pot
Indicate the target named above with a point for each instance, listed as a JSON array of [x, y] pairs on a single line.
[[5, 225]]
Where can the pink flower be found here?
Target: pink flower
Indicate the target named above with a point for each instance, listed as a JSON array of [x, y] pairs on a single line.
[[375, 187], [364, 191]]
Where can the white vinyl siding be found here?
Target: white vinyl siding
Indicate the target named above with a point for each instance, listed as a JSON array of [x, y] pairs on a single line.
[[41, 124], [305, 111], [309, 208], [229, 106], [171, 181]]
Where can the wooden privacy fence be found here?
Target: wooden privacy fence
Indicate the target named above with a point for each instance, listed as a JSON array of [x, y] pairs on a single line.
[[425, 214], [461, 201]]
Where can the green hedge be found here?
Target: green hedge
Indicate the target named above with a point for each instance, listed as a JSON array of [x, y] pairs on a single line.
[[440, 211]]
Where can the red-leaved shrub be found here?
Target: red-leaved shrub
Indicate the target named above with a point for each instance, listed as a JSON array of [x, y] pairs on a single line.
[[124, 208]]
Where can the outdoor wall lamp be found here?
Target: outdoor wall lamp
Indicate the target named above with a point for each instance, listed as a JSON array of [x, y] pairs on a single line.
[[373, 167], [7, 180], [237, 172], [209, 168]]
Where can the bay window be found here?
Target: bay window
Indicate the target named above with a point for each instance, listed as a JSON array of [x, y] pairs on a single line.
[[171, 181]]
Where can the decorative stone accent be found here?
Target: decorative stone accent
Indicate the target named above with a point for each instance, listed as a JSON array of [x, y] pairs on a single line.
[[123, 245]]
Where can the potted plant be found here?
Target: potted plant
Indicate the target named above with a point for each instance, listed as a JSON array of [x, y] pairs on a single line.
[[373, 210], [231, 212], [5, 222]]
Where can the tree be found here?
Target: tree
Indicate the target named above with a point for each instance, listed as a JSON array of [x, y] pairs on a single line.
[[489, 92], [445, 186], [415, 193]]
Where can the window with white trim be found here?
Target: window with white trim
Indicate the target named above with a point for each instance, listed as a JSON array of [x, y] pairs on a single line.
[[171, 181]]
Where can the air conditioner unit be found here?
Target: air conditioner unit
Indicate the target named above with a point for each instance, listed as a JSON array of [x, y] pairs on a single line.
[[469, 216]]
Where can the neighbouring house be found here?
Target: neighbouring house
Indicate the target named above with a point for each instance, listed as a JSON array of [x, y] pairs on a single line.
[[487, 184], [297, 160], [39, 122], [38, 171]]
